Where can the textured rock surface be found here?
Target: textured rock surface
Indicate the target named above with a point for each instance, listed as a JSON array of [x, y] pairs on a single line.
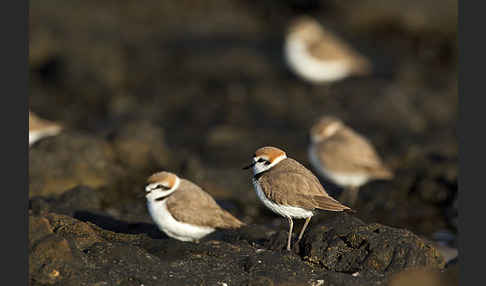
[[70, 159], [141, 145], [73, 251], [346, 244]]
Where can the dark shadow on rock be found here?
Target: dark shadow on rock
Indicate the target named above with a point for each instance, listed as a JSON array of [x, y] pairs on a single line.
[[118, 226], [251, 234], [77, 198]]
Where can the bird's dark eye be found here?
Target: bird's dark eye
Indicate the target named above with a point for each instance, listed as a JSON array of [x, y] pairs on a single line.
[[162, 187], [267, 163], [261, 160]]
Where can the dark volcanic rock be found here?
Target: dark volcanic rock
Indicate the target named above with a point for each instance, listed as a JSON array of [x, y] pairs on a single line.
[[68, 160], [86, 204], [69, 251], [141, 146], [343, 243], [50, 255], [80, 198]]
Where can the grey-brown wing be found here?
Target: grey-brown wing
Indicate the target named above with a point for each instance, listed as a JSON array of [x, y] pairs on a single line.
[[350, 152], [295, 189], [193, 205], [329, 47]]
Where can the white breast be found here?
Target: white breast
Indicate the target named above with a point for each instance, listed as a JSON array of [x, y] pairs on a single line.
[[173, 228], [339, 178], [286, 211], [310, 68]]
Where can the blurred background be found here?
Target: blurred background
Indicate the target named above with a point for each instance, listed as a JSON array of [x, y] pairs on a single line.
[[195, 87]]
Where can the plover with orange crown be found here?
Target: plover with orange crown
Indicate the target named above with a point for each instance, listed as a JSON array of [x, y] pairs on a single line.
[[182, 210], [287, 188], [40, 128], [318, 56], [344, 157]]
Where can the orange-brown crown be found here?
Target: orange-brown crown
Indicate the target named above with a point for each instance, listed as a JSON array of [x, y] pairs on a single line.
[[269, 153], [167, 179]]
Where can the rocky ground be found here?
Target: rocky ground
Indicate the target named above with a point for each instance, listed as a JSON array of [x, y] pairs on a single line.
[[195, 88], [73, 242]]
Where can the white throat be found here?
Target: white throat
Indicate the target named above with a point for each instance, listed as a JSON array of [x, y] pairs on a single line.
[[261, 167], [154, 192]]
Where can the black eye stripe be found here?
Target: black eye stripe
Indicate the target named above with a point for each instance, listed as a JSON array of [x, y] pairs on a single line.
[[162, 186], [267, 163], [261, 160]]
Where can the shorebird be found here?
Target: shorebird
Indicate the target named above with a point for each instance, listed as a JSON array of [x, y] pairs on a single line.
[[344, 157], [40, 128], [288, 188], [182, 210], [318, 56]]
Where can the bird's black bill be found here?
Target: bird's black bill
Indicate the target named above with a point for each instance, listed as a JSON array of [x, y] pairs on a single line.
[[249, 166]]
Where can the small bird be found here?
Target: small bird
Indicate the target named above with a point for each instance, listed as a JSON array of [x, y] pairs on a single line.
[[287, 188], [344, 157], [318, 56], [182, 210], [40, 128]]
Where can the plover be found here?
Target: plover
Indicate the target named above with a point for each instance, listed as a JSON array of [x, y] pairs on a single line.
[[344, 157], [40, 128], [318, 56], [182, 210], [287, 188]]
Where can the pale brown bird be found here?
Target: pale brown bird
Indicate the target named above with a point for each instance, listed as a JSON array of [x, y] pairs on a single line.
[[318, 56], [345, 157], [40, 128], [288, 188], [182, 210]]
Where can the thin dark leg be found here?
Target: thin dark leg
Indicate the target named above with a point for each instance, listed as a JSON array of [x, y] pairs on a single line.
[[291, 223], [307, 220]]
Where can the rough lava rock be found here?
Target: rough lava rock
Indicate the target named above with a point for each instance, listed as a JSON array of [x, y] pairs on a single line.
[[141, 145], [344, 243], [70, 159], [69, 251]]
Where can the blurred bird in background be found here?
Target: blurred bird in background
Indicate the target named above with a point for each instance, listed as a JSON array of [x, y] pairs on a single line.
[[344, 157], [316, 55]]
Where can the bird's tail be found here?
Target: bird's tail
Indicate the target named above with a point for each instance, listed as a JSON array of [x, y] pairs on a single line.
[[330, 204], [231, 222], [383, 173]]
